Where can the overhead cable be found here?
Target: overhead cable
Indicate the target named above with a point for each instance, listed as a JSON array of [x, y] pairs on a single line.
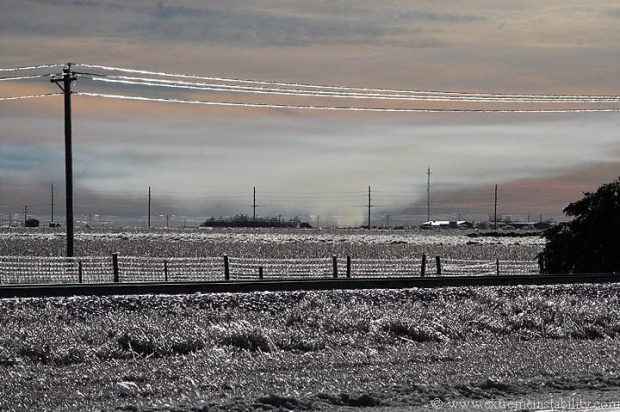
[[41, 66], [340, 87], [33, 96], [352, 95], [5, 79], [340, 108]]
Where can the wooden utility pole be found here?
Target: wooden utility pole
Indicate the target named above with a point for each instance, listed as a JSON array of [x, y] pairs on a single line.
[[369, 206], [495, 207], [52, 206], [65, 79], [149, 218], [428, 196], [25, 215], [254, 208]]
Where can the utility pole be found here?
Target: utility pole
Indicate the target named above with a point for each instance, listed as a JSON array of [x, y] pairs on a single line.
[[254, 208], [369, 206], [428, 196], [52, 207], [25, 215], [495, 207], [65, 79], [149, 218]]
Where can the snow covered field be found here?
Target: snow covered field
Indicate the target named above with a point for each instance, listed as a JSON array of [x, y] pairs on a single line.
[[495, 348], [272, 243]]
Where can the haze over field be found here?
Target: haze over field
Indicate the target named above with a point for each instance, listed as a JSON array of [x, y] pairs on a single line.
[[205, 160]]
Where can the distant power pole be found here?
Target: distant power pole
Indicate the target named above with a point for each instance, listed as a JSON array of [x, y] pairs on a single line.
[[25, 215], [369, 206], [495, 207], [52, 206], [65, 79], [428, 195], [254, 208], [149, 218]]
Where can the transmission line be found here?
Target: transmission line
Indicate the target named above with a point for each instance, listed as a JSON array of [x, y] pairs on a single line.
[[38, 76], [339, 87], [422, 96], [41, 66], [338, 108], [32, 96]]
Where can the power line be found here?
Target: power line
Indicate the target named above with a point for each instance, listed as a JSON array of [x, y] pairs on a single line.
[[337, 108], [41, 66], [38, 76], [338, 87], [32, 96], [415, 96]]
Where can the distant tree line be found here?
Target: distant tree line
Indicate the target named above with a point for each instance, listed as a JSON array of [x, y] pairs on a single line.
[[245, 221]]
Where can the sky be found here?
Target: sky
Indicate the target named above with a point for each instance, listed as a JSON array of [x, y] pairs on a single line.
[[204, 161]]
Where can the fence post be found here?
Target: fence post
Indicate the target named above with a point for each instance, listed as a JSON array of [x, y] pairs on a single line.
[[438, 262], [79, 271], [348, 266], [165, 271], [226, 268], [497, 265], [115, 267], [260, 272], [335, 262], [423, 268]]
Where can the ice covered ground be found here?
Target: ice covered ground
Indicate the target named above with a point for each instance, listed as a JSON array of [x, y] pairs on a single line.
[[379, 237], [276, 244], [517, 348]]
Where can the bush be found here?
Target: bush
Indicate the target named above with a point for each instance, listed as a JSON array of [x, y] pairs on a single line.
[[588, 243]]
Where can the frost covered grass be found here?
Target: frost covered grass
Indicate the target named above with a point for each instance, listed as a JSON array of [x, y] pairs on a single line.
[[306, 350], [282, 244]]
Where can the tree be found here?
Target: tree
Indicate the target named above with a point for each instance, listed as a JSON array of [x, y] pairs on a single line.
[[590, 242]]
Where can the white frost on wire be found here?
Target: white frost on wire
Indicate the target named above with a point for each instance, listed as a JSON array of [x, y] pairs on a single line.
[[140, 81], [6, 79], [345, 88], [32, 96], [41, 66], [339, 108]]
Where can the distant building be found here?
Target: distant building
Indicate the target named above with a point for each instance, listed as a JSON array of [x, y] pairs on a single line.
[[446, 224], [32, 222]]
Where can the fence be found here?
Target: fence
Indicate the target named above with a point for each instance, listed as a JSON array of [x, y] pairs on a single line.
[[33, 270]]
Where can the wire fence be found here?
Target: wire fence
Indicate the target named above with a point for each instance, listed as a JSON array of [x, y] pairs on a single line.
[[248, 269], [382, 268], [124, 269]]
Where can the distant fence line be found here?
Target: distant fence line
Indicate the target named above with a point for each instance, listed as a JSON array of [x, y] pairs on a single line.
[[35, 270]]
